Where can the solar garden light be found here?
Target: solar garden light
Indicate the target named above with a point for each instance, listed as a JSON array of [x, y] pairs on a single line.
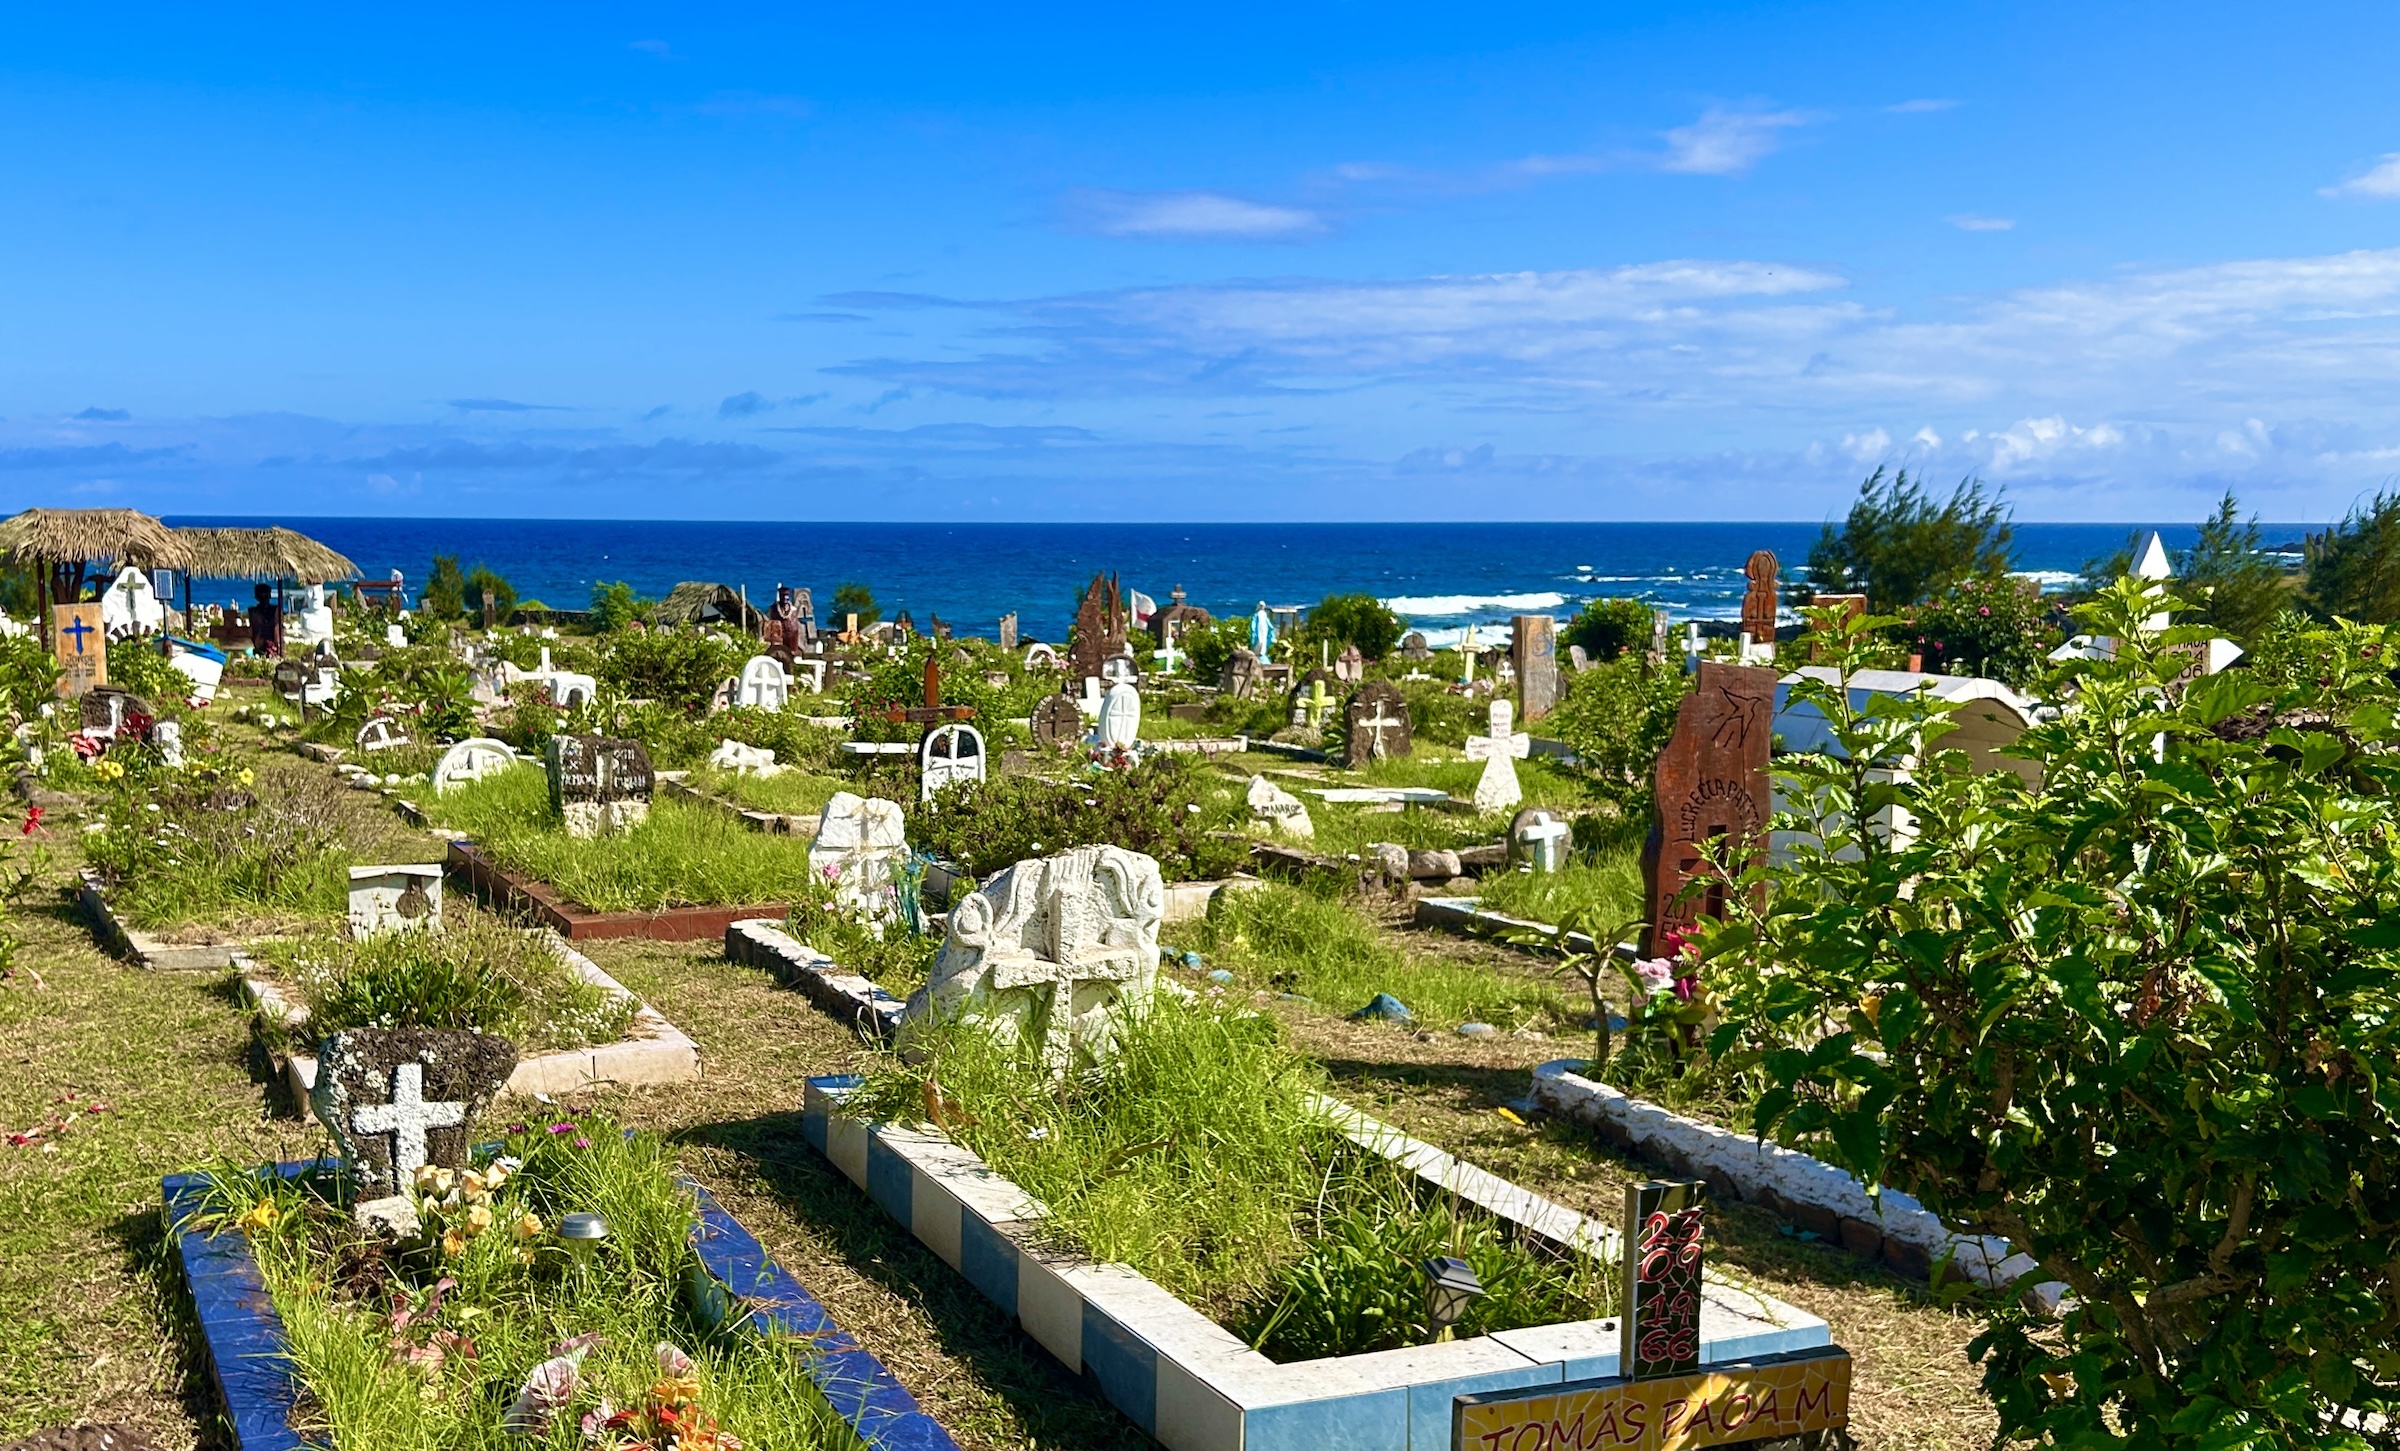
[[1450, 1284], [581, 1234]]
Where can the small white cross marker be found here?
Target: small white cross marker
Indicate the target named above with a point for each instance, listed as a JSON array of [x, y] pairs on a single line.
[[407, 1118]]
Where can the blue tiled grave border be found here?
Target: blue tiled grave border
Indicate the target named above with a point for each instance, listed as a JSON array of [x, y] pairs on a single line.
[[1195, 1386], [244, 1335]]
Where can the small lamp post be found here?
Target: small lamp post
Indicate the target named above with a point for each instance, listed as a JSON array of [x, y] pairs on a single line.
[[1450, 1284], [582, 1233]]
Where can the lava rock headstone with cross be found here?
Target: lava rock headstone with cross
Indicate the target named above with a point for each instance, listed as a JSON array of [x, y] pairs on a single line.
[[1376, 722], [107, 711], [396, 1099], [600, 785], [1242, 677], [1713, 799], [1057, 723]]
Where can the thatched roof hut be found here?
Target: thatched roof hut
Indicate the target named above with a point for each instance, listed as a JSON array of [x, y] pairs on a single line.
[[696, 603], [272, 554], [59, 545]]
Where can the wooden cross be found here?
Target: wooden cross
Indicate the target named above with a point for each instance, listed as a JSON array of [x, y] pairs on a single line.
[[1467, 651], [932, 712]]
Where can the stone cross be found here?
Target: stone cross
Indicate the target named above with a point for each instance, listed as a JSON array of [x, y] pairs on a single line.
[[407, 1118], [1378, 724], [1168, 654], [1467, 651], [1499, 750]]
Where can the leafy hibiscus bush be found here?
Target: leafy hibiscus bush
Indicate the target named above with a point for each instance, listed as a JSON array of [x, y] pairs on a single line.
[[1989, 627], [2140, 1019], [1167, 807]]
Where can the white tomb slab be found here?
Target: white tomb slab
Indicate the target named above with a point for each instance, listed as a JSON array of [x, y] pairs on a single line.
[[395, 899]]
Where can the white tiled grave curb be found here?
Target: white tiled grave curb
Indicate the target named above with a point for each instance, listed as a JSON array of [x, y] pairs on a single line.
[[652, 1051], [1194, 1385], [144, 949], [1797, 1187], [762, 942]]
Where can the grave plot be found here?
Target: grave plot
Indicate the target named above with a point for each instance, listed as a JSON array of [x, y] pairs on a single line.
[[672, 868], [570, 1288], [1237, 1258], [190, 863], [575, 1026]]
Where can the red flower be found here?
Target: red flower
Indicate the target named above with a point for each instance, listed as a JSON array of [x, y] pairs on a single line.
[[33, 821]]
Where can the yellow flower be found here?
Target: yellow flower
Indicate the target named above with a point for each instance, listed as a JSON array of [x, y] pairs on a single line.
[[479, 1219], [454, 1244], [425, 1175], [471, 1183], [529, 1227], [260, 1216], [247, 776], [676, 1391]]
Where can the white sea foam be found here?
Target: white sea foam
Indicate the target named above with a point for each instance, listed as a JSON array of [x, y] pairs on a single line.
[[2048, 579], [1440, 606]]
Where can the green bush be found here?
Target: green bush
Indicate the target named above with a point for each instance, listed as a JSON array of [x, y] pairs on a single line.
[[28, 675], [1617, 717], [445, 593], [1208, 648], [853, 598], [615, 605], [1166, 807], [2139, 1019], [1607, 628], [1349, 619], [488, 594], [675, 667], [1987, 627], [2354, 567]]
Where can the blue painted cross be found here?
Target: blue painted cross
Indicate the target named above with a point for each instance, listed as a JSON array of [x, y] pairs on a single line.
[[79, 629]]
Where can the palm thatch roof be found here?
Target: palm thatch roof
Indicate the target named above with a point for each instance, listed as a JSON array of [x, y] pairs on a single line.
[[272, 553], [57, 537], [694, 602]]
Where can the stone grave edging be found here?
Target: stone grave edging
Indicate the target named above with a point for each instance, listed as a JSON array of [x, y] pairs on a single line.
[[144, 949], [653, 1050], [1799, 1188], [1193, 1385], [514, 891], [244, 1339], [762, 942], [1462, 914], [773, 823]]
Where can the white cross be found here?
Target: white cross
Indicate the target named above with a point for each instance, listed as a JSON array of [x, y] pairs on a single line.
[[1169, 652], [1499, 751], [1376, 725], [407, 1118], [1467, 651]]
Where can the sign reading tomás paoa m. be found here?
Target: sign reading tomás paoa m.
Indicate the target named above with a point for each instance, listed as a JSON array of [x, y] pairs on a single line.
[[1751, 1400]]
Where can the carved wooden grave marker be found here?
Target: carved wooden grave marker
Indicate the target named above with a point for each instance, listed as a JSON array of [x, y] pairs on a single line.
[[1713, 798]]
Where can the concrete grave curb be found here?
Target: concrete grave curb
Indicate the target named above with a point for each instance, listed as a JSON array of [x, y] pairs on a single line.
[[1193, 1385], [244, 1339], [516, 892], [653, 1050], [762, 942], [1799, 1188], [1462, 914], [142, 948]]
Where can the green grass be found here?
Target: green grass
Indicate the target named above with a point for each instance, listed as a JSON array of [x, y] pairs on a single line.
[[1290, 940], [1195, 1155], [685, 854], [791, 793], [1347, 829], [515, 1299], [478, 974], [1610, 880]]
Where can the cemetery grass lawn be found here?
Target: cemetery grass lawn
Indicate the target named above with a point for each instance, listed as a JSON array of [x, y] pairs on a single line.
[[686, 854], [1610, 879], [1330, 950], [1915, 1387], [791, 793]]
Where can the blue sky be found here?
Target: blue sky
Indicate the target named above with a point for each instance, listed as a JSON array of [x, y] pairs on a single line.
[[1221, 262]]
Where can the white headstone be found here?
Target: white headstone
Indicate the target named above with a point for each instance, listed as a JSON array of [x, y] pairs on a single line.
[[1089, 701], [471, 760], [568, 690], [380, 733], [764, 685], [812, 671], [1500, 750], [311, 620], [395, 636], [395, 899], [949, 753], [131, 606], [1120, 723], [1287, 813], [1039, 656], [859, 840], [1053, 952]]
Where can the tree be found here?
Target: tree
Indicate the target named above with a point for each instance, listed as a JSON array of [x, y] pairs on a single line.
[[854, 598], [1988, 627], [1353, 619], [485, 586], [2139, 1019], [2354, 567], [1900, 547], [615, 605], [445, 595], [2233, 587], [1208, 648], [1607, 628]]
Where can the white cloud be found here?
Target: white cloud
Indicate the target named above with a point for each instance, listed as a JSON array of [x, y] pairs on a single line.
[[1925, 438], [1727, 142], [2381, 182], [1919, 106], [1190, 214], [1972, 223], [1869, 447]]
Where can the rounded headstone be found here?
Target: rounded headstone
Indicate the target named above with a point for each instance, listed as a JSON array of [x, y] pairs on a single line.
[[1057, 724]]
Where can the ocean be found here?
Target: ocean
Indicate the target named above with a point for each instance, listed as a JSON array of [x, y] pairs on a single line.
[[1440, 577]]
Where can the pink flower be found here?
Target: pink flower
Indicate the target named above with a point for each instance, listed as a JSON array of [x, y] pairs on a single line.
[[565, 1128], [1657, 974]]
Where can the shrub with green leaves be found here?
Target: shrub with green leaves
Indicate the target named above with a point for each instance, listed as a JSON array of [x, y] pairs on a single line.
[[676, 667], [2140, 1020], [1617, 717], [1166, 807], [1900, 546], [1988, 627], [28, 675], [477, 976], [1350, 619], [1607, 628]]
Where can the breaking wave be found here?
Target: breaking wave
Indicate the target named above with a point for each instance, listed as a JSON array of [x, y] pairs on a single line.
[[1438, 606]]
